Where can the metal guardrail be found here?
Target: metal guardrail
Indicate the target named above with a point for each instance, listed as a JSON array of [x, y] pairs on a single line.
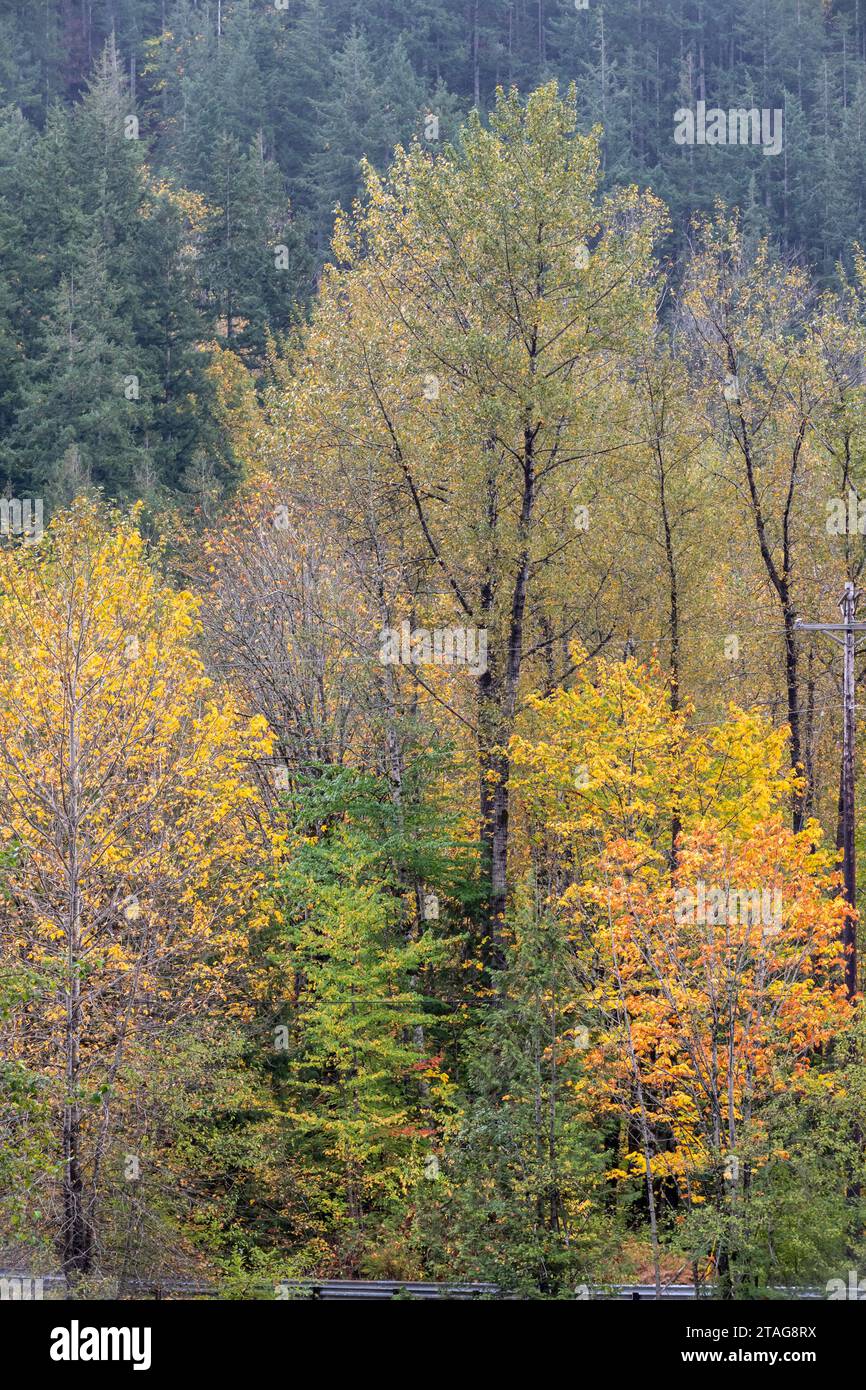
[[349, 1289], [380, 1289], [14, 1285]]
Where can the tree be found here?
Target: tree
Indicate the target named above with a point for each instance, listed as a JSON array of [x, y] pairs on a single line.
[[710, 987], [75, 397], [454, 356], [108, 333], [777, 372], [257, 269], [519, 1201], [358, 1071], [133, 886], [368, 107]]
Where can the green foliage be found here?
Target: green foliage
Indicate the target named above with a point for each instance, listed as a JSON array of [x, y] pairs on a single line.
[[518, 1202], [792, 1216], [357, 1068], [28, 1163], [372, 1101], [268, 121], [256, 264], [106, 384]]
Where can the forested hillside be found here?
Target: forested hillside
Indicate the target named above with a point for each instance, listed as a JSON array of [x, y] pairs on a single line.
[[251, 118], [425, 850]]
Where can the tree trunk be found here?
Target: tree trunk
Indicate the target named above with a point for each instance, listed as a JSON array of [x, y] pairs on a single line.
[[77, 1236]]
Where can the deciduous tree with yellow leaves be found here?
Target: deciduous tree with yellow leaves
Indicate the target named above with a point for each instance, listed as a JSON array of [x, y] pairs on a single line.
[[133, 850], [459, 385], [712, 975]]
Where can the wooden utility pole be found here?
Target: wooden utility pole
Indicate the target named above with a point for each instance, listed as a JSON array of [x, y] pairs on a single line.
[[846, 819], [843, 633]]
